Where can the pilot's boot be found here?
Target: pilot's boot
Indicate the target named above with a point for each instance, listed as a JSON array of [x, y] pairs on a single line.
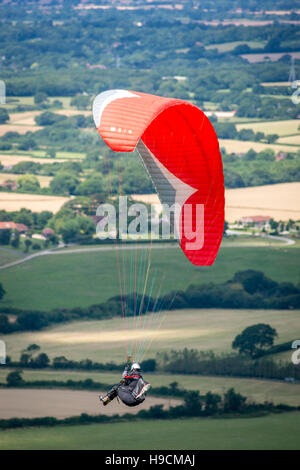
[[105, 400]]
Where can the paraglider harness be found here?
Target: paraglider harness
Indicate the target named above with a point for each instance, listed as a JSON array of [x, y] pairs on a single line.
[[131, 390]]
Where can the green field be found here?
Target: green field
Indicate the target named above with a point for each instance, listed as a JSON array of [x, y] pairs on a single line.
[[59, 154], [29, 100], [229, 46], [83, 279], [8, 255], [258, 390], [274, 432], [104, 340]]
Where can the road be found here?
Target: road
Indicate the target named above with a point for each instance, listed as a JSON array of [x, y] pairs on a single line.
[[61, 251]]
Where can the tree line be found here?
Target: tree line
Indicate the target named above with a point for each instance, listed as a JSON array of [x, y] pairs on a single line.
[[230, 404], [248, 289]]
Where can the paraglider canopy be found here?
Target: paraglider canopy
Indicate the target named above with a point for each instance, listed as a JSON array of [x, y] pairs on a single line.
[[180, 150]]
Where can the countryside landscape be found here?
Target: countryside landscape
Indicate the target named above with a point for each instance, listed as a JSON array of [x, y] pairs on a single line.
[[217, 343]]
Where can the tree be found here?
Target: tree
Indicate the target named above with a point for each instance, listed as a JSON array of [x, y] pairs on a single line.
[[32, 321], [40, 97], [5, 235], [41, 361], [28, 183], [225, 228], [233, 402], [47, 118], [192, 403], [51, 153], [25, 359], [5, 326], [41, 219], [69, 231], [14, 379], [28, 244], [255, 339], [25, 216], [61, 362], [225, 130], [64, 183], [273, 224], [79, 227], [246, 134], [80, 101], [211, 401], [4, 116], [90, 186], [27, 143], [250, 155], [2, 291], [33, 347], [15, 239], [271, 138], [254, 282]]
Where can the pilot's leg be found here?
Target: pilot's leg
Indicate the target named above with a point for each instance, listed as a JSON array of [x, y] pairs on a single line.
[[113, 392]]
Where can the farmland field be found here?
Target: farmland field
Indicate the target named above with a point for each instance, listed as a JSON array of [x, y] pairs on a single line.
[[21, 129], [35, 202], [267, 56], [242, 146], [259, 390], [35, 403], [8, 159], [280, 431], [292, 140], [280, 201], [60, 155], [276, 200], [71, 280], [229, 46], [273, 127], [203, 329], [285, 84]]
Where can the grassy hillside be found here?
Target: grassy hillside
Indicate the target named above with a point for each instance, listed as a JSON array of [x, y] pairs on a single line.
[[82, 279], [266, 433], [211, 329]]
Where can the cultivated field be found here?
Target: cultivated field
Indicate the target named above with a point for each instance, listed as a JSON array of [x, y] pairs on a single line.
[[285, 84], [268, 56], [258, 390], [281, 128], [242, 146], [74, 112], [203, 329], [9, 159], [280, 201], [274, 432], [27, 403], [26, 118], [292, 140], [21, 129], [35, 202]]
